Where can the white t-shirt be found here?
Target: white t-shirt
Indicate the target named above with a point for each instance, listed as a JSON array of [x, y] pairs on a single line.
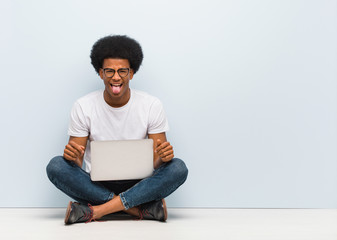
[[92, 116]]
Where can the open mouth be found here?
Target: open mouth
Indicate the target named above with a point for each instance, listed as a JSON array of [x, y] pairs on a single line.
[[116, 88]]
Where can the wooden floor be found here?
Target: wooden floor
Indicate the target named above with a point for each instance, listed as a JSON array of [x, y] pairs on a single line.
[[182, 223]]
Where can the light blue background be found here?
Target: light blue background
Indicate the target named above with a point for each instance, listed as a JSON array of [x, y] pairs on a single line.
[[249, 87]]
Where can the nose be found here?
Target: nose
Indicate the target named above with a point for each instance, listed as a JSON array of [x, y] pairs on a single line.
[[116, 77]]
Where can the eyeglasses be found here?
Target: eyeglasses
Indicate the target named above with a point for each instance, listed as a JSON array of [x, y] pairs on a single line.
[[122, 72]]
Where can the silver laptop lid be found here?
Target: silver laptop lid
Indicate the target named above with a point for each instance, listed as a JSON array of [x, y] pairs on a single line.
[[121, 159]]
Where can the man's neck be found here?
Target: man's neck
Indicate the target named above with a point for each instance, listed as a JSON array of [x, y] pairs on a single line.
[[117, 102]]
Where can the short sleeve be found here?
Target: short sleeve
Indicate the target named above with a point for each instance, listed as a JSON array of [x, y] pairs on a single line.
[[77, 125], [157, 119]]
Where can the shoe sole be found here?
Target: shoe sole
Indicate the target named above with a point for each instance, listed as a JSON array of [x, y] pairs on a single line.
[[165, 210], [67, 213]]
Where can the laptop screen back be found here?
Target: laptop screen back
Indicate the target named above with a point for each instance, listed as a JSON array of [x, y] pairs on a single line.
[[121, 159]]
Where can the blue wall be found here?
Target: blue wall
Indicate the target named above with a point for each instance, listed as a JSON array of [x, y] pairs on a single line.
[[249, 88]]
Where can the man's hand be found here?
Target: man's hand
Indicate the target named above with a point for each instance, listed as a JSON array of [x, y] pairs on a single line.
[[164, 150], [74, 152]]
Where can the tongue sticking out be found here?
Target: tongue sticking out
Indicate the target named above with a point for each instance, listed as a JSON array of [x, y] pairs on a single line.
[[116, 89]]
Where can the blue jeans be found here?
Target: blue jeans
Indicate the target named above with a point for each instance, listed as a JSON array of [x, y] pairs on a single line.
[[76, 183]]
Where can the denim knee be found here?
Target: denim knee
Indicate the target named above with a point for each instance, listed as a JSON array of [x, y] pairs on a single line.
[[54, 167], [180, 170]]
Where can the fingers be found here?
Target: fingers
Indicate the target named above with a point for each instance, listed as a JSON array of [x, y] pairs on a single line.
[[73, 151], [158, 142], [78, 148], [164, 150], [167, 157], [69, 155], [161, 145]]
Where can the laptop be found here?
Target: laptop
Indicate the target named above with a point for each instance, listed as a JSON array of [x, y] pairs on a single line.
[[121, 159]]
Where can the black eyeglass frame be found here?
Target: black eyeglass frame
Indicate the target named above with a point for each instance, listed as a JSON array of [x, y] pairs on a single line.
[[114, 72]]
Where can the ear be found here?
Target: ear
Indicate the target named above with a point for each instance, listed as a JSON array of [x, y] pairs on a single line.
[[131, 73], [100, 72]]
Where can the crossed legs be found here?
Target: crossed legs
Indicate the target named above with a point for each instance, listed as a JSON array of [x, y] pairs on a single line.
[[76, 183]]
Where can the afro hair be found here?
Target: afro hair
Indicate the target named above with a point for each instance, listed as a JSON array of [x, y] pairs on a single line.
[[116, 46]]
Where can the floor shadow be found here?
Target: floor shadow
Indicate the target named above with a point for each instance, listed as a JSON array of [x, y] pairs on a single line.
[[117, 216]]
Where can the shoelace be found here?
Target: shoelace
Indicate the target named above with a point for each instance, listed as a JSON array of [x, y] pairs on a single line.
[[89, 215], [143, 213]]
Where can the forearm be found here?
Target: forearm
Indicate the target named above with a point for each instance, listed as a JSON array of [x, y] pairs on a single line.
[[74, 150], [162, 150]]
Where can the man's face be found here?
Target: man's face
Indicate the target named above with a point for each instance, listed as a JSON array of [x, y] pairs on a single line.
[[116, 86]]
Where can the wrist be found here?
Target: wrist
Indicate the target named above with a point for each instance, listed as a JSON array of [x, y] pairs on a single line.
[[157, 163]]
